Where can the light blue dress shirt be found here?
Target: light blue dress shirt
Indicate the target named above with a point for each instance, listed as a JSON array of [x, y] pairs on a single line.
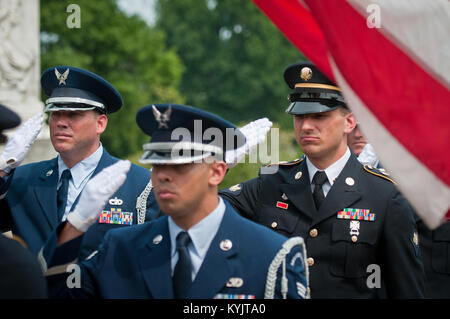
[[331, 171], [201, 235], [81, 173]]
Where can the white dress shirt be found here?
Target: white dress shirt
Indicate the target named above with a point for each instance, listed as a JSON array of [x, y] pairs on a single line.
[[81, 173], [331, 171], [201, 235]]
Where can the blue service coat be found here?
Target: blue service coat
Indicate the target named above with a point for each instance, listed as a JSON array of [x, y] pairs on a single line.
[[29, 208], [136, 263]]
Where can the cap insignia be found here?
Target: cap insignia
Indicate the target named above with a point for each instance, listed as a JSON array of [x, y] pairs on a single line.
[[306, 74], [62, 77], [162, 118]]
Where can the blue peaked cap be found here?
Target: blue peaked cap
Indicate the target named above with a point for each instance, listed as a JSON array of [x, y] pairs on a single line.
[[71, 88], [184, 134]]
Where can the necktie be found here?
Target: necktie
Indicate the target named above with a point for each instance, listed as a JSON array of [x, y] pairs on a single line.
[[61, 197], [182, 275], [318, 180]]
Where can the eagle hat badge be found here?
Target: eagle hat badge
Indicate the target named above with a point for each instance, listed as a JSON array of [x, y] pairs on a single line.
[[162, 118], [62, 77]]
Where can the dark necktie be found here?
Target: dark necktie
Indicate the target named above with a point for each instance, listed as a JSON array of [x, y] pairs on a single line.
[[318, 180], [182, 275], [61, 197]]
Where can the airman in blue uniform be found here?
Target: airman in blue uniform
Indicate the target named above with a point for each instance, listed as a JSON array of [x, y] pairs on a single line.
[[200, 248], [41, 195]]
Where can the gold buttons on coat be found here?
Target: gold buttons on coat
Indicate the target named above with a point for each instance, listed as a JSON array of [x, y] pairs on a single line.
[[310, 261], [274, 225], [313, 232]]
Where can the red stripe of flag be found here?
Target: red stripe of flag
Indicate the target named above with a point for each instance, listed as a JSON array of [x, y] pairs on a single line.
[[412, 105], [300, 27]]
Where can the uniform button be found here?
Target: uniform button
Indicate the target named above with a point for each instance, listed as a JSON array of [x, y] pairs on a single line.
[[274, 224], [313, 232], [310, 261]]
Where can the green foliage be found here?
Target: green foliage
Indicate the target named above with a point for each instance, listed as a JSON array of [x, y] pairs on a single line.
[[124, 50], [221, 55], [234, 57]]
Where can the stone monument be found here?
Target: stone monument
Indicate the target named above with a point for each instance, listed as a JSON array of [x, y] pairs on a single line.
[[20, 68]]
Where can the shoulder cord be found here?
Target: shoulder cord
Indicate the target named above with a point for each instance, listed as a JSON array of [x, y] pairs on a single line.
[[280, 258], [141, 203]]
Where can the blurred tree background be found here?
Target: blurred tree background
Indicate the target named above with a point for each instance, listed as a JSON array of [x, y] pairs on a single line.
[[224, 56], [124, 50]]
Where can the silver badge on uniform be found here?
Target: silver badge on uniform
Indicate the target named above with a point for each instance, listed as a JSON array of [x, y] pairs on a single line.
[[115, 201], [157, 239], [226, 245], [349, 181], [354, 229], [235, 282]]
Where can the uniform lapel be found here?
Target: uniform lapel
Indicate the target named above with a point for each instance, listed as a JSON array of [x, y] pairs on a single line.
[[155, 261], [299, 190], [105, 161], [216, 270], [342, 194], [45, 192]]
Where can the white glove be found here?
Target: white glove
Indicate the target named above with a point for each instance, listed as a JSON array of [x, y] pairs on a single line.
[[368, 156], [255, 133], [19, 144], [96, 193]]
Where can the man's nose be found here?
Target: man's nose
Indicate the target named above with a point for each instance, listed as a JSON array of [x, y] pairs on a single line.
[[162, 174], [307, 124], [61, 120]]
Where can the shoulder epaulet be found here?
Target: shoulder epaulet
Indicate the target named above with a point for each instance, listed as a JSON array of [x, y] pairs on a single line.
[[380, 172], [285, 163]]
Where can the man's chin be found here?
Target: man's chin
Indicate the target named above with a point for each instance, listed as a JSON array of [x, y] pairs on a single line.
[[61, 147], [167, 208], [310, 150]]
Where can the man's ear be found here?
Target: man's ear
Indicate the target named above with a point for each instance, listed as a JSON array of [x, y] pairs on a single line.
[[350, 123], [217, 173], [102, 122]]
